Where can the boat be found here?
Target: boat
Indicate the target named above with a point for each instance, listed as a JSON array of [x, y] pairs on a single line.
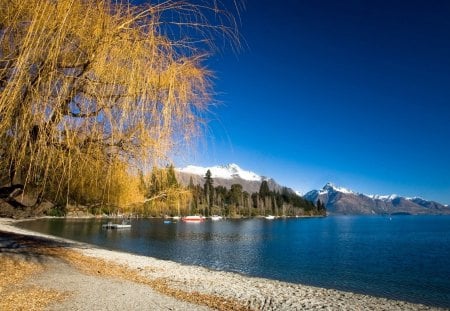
[[167, 222], [193, 218], [176, 217], [216, 217], [270, 217], [110, 225]]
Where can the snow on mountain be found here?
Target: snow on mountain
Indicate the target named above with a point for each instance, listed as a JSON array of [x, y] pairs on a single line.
[[344, 201], [327, 190], [331, 187], [383, 197], [299, 193], [229, 171]]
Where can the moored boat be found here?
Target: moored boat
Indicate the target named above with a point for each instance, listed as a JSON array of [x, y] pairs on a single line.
[[216, 217], [270, 217], [110, 225], [193, 218]]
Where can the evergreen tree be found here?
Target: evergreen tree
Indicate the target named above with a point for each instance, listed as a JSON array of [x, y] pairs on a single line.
[[155, 183], [279, 200], [264, 190], [209, 192], [245, 199], [236, 194], [171, 177], [255, 200]]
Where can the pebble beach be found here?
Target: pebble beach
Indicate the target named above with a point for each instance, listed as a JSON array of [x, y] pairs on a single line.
[[80, 276]]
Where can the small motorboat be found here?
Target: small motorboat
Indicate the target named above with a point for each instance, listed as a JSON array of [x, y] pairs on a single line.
[[193, 218], [216, 217], [270, 217], [110, 225]]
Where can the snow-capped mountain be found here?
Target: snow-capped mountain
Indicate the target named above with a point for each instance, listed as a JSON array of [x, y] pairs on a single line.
[[330, 187], [343, 201], [229, 171], [299, 193], [225, 175]]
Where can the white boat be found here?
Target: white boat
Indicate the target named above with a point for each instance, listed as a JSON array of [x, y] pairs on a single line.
[[270, 217], [193, 218], [216, 217], [110, 225], [176, 217]]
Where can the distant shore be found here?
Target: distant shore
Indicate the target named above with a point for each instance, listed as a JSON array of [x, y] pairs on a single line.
[[126, 281]]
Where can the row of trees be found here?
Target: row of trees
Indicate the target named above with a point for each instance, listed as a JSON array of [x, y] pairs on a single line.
[[168, 197], [235, 201]]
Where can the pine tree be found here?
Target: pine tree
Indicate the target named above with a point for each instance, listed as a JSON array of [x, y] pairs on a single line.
[[171, 177], [209, 192], [236, 194], [264, 190]]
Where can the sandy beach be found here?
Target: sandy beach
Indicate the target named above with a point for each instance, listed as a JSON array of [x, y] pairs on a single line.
[[49, 273]]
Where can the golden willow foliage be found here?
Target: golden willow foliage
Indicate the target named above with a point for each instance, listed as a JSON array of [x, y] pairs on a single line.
[[91, 88], [165, 196]]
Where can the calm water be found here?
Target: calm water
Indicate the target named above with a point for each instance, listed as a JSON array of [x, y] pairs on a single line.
[[407, 257]]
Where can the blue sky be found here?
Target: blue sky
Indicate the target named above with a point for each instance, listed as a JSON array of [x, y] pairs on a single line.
[[352, 92]]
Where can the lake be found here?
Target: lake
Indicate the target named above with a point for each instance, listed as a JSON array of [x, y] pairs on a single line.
[[403, 257]]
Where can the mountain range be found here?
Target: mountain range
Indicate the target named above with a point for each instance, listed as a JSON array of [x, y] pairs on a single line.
[[337, 200], [344, 201]]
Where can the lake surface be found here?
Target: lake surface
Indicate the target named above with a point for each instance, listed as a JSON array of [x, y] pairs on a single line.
[[403, 257]]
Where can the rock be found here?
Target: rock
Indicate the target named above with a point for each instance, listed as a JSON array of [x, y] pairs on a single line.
[[10, 191], [44, 206], [25, 199], [6, 209], [17, 196], [77, 211], [15, 203]]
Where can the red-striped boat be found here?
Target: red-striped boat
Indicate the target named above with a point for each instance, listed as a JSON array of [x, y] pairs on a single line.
[[193, 219]]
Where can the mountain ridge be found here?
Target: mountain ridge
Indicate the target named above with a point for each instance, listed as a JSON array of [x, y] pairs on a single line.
[[339, 200], [226, 175]]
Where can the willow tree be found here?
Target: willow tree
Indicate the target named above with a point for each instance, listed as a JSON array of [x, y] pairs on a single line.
[[88, 87]]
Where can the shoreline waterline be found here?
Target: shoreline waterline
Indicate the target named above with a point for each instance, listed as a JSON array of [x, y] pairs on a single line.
[[253, 292]]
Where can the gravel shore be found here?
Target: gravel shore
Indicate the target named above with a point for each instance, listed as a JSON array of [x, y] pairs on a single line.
[[146, 283]]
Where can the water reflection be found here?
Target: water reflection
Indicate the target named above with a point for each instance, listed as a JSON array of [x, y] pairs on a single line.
[[406, 258]]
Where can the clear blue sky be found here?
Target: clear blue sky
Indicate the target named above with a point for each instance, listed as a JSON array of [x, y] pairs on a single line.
[[352, 92]]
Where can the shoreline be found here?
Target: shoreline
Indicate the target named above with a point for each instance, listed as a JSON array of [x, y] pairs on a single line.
[[224, 287]]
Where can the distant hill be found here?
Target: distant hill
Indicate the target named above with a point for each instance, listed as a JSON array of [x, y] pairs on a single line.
[[344, 201], [226, 175]]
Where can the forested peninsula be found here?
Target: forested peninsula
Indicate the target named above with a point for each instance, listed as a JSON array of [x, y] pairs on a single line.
[[160, 194]]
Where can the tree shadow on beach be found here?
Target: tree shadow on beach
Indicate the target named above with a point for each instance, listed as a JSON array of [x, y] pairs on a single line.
[[30, 248]]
